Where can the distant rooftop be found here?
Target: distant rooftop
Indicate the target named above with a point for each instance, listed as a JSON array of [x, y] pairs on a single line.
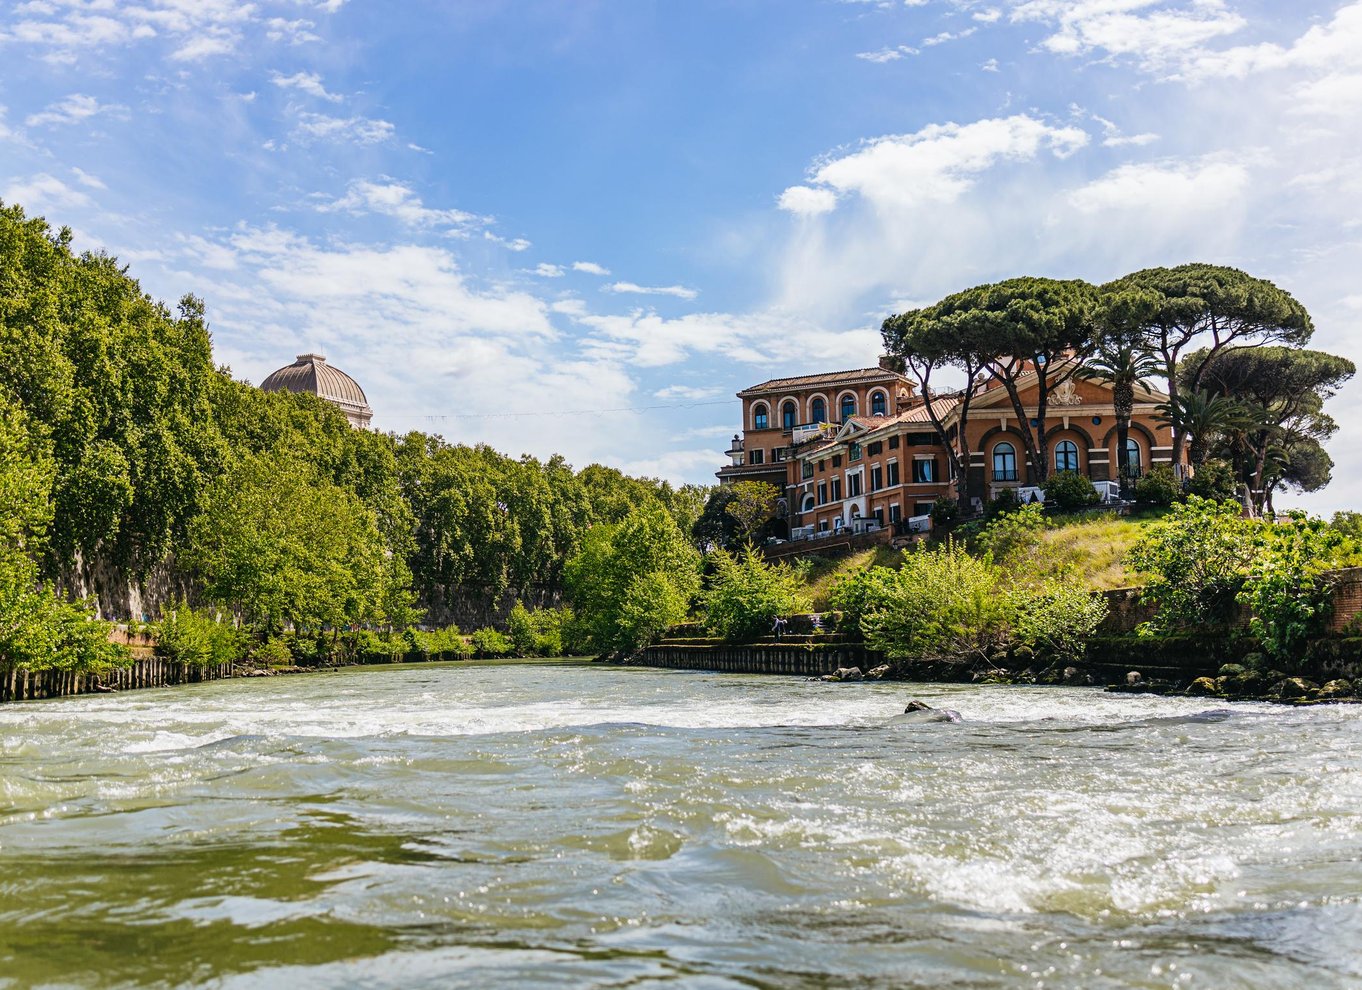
[[855, 375]]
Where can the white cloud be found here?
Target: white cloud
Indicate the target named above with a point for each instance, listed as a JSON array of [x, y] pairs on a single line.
[[990, 66], [399, 201], [988, 15], [356, 130], [306, 82], [688, 393], [807, 201], [295, 32], [74, 109], [88, 180], [546, 270], [590, 267], [42, 193], [1174, 189], [1155, 34], [939, 162], [679, 291], [1129, 140], [888, 54], [945, 36]]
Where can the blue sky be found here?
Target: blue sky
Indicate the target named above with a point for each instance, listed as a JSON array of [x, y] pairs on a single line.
[[581, 226]]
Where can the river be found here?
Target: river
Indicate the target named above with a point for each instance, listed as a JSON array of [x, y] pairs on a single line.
[[569, 825]]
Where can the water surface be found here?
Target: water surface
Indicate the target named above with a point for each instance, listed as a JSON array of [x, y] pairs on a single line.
[[577, 826]]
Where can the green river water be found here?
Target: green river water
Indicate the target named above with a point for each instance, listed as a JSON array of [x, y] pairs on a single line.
[[569, 825]]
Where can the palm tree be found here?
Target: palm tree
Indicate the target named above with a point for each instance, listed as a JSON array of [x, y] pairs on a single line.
[[1205, 418], [1122, 361]]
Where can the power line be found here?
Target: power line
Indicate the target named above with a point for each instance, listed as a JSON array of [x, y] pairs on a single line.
[[577, 412]]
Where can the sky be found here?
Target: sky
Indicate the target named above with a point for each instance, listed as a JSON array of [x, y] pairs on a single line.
[[580, 226]]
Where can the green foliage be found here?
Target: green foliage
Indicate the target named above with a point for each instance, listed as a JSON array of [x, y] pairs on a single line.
[[273, 652], [538, 632], [1213, 480], [1069, 490], [488, 643], [944, 510], [630, 581], [1057, 619], [1158, 487], [1287, 588], [745, 594], [446, 643], [1197, 559], [1016, 542], [752, 505], [198, 638], [1006, 501]]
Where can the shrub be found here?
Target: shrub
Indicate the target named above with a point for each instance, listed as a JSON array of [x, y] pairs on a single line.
[[197, 638], [1288, 587], [1070, 490], [488, 643], [944, 510], [273, 652], [1158, 487], [1006, 501], [745, 594], [1213, 480], [1057, 619], [537, 633]]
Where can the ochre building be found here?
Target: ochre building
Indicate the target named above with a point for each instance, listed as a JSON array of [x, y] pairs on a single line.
[[856, 451]]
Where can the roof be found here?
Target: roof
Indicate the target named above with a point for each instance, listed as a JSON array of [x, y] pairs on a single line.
[[311, 373], [852, 377]]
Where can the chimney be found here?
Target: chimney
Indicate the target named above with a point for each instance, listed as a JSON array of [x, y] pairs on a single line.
[[889, 362]]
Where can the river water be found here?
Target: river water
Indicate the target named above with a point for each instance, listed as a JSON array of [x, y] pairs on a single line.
[[576, 826]]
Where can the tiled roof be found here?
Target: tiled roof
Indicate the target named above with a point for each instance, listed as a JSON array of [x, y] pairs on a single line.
[[852, 377]]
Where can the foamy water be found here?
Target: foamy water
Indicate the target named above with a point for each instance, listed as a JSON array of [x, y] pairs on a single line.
[[569, 825]]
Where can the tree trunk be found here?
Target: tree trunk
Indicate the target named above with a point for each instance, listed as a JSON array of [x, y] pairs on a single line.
[[1123, 403]]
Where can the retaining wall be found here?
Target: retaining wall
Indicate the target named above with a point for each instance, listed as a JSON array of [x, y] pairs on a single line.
[[22, 684], [804, 660]]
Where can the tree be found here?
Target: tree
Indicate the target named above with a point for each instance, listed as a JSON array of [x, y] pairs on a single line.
[[746, 593], [927, 344], [1203, 419], [1208, 305], [1123, 361], [632, 580], [1286, 389], [1023, 330], [752, 506]]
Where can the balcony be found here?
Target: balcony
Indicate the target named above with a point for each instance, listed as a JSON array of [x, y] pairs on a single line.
[[807, 432]]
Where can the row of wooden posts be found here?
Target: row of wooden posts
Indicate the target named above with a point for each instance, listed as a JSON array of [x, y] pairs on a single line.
[[22, 684]]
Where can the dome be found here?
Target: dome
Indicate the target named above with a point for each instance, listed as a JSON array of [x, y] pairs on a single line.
[[311, 373]]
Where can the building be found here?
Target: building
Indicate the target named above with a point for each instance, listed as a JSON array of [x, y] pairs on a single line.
[[856, 451], [311, 373]]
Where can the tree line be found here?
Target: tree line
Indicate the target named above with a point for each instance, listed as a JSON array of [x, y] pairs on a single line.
[[1228, 347]]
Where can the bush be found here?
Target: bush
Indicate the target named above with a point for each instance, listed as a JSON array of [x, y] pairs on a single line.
[[273, 652], [197, 638], [944, 510], [488, 643], [1158, 487], [1057, 619], [746, 594], [1070, 490], [1006, 501], [1214, 480], [537, 633]]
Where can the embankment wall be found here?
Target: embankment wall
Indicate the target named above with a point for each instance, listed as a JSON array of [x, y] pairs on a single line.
[[22, 684]]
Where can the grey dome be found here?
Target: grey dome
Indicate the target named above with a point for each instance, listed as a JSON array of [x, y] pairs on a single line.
[[311, 373]]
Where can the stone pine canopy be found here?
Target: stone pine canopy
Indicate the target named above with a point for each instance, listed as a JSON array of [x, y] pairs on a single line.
[[311, 373]]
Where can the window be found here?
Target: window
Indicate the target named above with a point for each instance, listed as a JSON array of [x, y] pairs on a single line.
[[876, 478], [836, 460], [879, 515], [757, 457], [893, 469], [895, 513], [848, 407], [854, 484], [759, 416], [822, 525], [806, 470], [780, 454], [922, 439], [820, 411], [788, 415], [1004, 462], [837, 489], [808, 503], [923, 508], [821, 464], [874, 448], [893, 443], [1133, 456], [855, 451], [878, 404], [924, 471], [823, 494], [1066, 456]]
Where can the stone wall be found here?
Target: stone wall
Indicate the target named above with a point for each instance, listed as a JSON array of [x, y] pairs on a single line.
[[22, 684], [471, 610], [795, 658]]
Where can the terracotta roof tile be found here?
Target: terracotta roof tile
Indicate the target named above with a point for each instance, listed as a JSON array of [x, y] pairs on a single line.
[[852, 377]]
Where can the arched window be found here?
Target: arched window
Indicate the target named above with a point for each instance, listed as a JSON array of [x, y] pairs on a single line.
[[1066, 456], [1133, 457], [820, 411], [1004, 462], [848, 407], [789, 415], [879, 406], [759, 416], [808, 503]]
